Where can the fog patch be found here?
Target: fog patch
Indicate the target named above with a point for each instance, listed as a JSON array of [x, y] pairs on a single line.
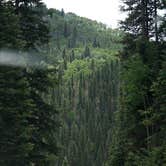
[[20, 59]]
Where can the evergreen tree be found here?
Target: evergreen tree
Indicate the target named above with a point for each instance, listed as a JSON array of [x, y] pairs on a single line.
[[62, 13], [9, 27], [142, 17], [64, 59], [95, 43], [16, 108], [141, 66], [44, 119], [66, 30], [72, 41], [72, 56], [86, 52], [34, 28], [28, 122], [15, 103]]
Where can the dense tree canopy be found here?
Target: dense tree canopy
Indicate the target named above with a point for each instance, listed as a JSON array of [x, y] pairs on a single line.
[[77, 93]]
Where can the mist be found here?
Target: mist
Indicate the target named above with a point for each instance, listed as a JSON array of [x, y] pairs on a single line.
[[20, 59]]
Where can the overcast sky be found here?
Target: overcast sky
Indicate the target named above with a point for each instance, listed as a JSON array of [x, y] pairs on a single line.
[[105, 11]]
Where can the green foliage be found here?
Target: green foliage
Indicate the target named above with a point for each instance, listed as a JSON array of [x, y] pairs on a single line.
[[28, 121], [140, 129], [9, 27], [73, 31], [112, 112], [76, 68], [34, 28], [135, 76], [86, 52], [14, 108], [85, 133]]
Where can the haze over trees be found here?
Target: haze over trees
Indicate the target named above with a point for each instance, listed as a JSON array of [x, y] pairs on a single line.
[[77, 93]]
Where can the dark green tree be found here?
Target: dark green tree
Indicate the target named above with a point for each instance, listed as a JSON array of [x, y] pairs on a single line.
[[62, 13], [72, 56], [9, 27], [86, 52], [66, 30], [34, 28], [16, 105], [27, 120], [142, 17]]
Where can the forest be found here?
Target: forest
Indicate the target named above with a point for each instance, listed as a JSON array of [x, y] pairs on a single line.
[[74, 92]]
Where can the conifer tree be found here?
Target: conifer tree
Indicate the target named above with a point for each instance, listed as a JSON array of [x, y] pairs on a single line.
[[34, 28], [16, 105], [27, 120], [72, 56], [62, 12], [86, 52], [9, 27], [142, 17], [66, 30]]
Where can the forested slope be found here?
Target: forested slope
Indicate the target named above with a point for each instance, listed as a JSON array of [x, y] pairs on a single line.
[[57, 101], [88, 91], [77, 93]]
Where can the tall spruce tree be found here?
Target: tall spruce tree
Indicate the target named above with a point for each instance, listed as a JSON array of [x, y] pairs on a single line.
[[34, 28], [28, 122], [15, 102], [140, 110], [142, 19]]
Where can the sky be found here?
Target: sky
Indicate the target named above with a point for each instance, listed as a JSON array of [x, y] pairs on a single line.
[[105, 11]]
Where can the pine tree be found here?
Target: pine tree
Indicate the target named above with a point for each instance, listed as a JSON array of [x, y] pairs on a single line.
[[95, 43], [27, 120], [66, 30], [16, 108], [44, 118], [73, 39], [15, 103], [62, 12], [9, 27], [34, 28], [142, 17], [72, 56], [64, 59], [141, 108], [86, 52]]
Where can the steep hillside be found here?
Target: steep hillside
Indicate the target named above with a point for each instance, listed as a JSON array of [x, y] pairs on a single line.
[[88, 86]]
